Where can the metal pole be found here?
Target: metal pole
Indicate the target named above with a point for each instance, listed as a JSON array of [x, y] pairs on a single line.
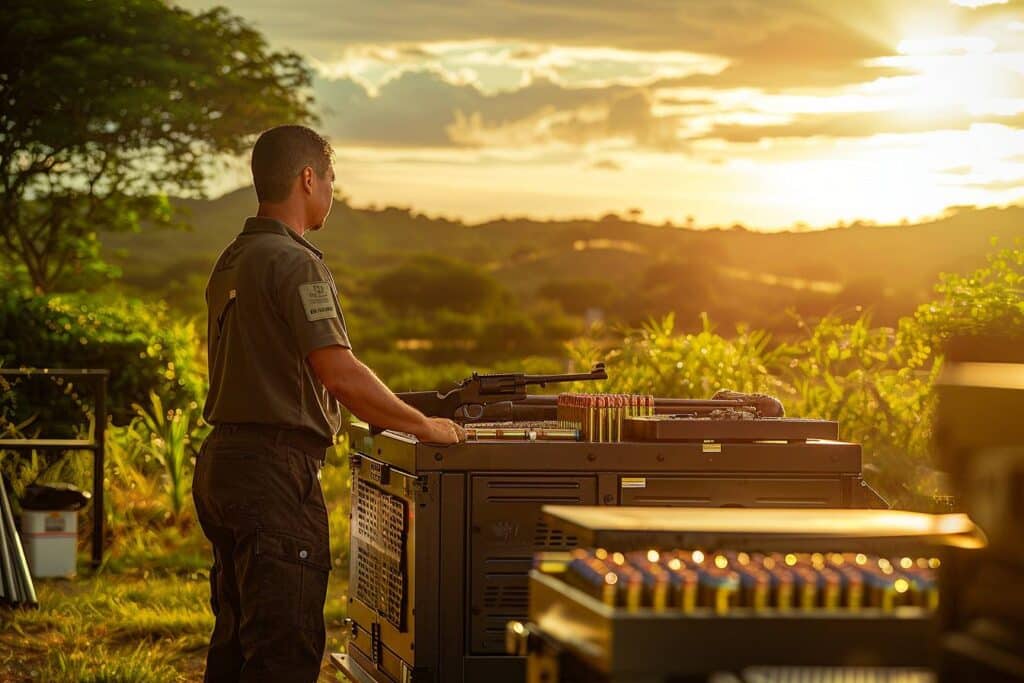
[[17, 554], [97, 472], [10, 586]]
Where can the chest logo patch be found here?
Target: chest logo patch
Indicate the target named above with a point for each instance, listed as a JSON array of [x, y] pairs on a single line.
[[317, 301]]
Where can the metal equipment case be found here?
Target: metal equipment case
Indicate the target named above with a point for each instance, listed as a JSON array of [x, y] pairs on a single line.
[[442, 538], [980, 437], [572, 637]]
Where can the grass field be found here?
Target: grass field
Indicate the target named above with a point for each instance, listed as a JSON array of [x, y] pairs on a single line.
[[134, 626], [144, 616]]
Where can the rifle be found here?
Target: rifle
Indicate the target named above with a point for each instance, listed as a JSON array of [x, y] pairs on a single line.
[[473, 393]]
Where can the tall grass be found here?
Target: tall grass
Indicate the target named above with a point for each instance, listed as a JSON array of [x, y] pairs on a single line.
[[171, 432]]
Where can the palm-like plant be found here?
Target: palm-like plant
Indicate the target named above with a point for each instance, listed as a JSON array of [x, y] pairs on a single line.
[[171, 433]]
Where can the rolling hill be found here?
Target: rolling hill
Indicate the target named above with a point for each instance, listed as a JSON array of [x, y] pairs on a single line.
[[734, 272]]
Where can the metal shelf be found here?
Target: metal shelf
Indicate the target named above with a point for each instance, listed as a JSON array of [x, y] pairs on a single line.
[[48, 444], [97, 445]]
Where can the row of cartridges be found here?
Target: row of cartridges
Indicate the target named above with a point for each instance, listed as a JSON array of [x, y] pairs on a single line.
[[690, 580], [599, 417]]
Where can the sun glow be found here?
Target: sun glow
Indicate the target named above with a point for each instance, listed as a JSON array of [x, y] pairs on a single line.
[[978, 3], [556, 128], [947, 68], [945, 45]]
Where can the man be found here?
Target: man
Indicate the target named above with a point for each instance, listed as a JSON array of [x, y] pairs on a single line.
[[281, 367]]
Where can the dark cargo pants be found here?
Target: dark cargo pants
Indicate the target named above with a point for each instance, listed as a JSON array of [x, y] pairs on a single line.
[[258, 498]]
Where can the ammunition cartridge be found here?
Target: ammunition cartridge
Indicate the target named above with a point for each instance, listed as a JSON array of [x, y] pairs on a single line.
[[682, 588], [610, 589], [719, 589], [879, 589], [582, 574], [606, 419], [755, 588], [575, 411], [620, 415], [631, 588], [925, 590], [830, 589], [852, 587], [781, 588], [655, 587], [591, 407], [805, 583]]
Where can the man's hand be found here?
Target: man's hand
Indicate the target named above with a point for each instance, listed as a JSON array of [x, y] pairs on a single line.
[[355, 386], [440, 430]]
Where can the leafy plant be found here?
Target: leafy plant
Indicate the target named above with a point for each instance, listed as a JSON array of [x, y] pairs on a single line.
[[989, 300], [877, 382], [171, 433], [654, 359], [145, 347]]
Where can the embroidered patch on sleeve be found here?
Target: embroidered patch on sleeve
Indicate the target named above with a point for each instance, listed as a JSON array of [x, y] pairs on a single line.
[[317, 301]]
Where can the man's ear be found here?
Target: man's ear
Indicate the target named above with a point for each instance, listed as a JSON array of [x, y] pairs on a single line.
[[306, 180]]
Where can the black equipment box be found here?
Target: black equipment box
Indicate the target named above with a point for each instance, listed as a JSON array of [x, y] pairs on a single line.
[[690, 428], [979, 432], [575, 635], [442, 538]]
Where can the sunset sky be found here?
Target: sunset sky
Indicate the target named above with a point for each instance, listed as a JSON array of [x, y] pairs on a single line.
[[765, 112]]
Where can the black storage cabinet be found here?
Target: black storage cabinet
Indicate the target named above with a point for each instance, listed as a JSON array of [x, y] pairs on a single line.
[[442, 538]]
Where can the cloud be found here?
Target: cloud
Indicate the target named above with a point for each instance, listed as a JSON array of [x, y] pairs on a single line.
[[410, 110], [744, 29], [858, 124], [427, 108], [776, 77], [998, 185], [607, 165], [436, 109], [962, 169], [627, 117], [651, 74]]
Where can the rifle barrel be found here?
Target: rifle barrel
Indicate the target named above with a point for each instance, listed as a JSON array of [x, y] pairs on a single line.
[[597, 372], [556, 379]]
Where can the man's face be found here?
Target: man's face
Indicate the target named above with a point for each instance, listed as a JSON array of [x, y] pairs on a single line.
[[322, 198]]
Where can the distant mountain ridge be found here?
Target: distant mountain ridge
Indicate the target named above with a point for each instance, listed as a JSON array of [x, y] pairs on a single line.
[[524, 253]]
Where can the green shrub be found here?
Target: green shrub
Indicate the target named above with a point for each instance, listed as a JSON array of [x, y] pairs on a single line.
[[877, 382], [987, 301], [653, 359], [146, 349]]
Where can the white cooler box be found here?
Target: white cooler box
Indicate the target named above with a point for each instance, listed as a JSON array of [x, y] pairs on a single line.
[[50, 538]]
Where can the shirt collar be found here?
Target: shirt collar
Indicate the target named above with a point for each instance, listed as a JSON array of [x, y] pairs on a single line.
[[255, 224]]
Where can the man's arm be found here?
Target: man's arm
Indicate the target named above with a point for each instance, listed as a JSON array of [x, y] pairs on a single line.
[[359, 389]]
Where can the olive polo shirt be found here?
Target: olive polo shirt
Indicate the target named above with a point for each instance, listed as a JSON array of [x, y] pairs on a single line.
[[270, 302]]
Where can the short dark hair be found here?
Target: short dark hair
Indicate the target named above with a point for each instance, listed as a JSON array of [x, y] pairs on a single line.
[[281, 153]]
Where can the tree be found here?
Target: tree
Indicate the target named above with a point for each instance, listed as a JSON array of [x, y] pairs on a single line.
[[428, 283], [109, 106]]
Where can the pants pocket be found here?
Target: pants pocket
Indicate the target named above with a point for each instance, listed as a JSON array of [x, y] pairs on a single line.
[[293, 579], [306, 473]]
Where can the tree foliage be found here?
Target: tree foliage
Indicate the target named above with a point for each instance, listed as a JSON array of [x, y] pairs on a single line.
[[427, 282], [987, 301], [111, 105], [876, 381], [145, 347]]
